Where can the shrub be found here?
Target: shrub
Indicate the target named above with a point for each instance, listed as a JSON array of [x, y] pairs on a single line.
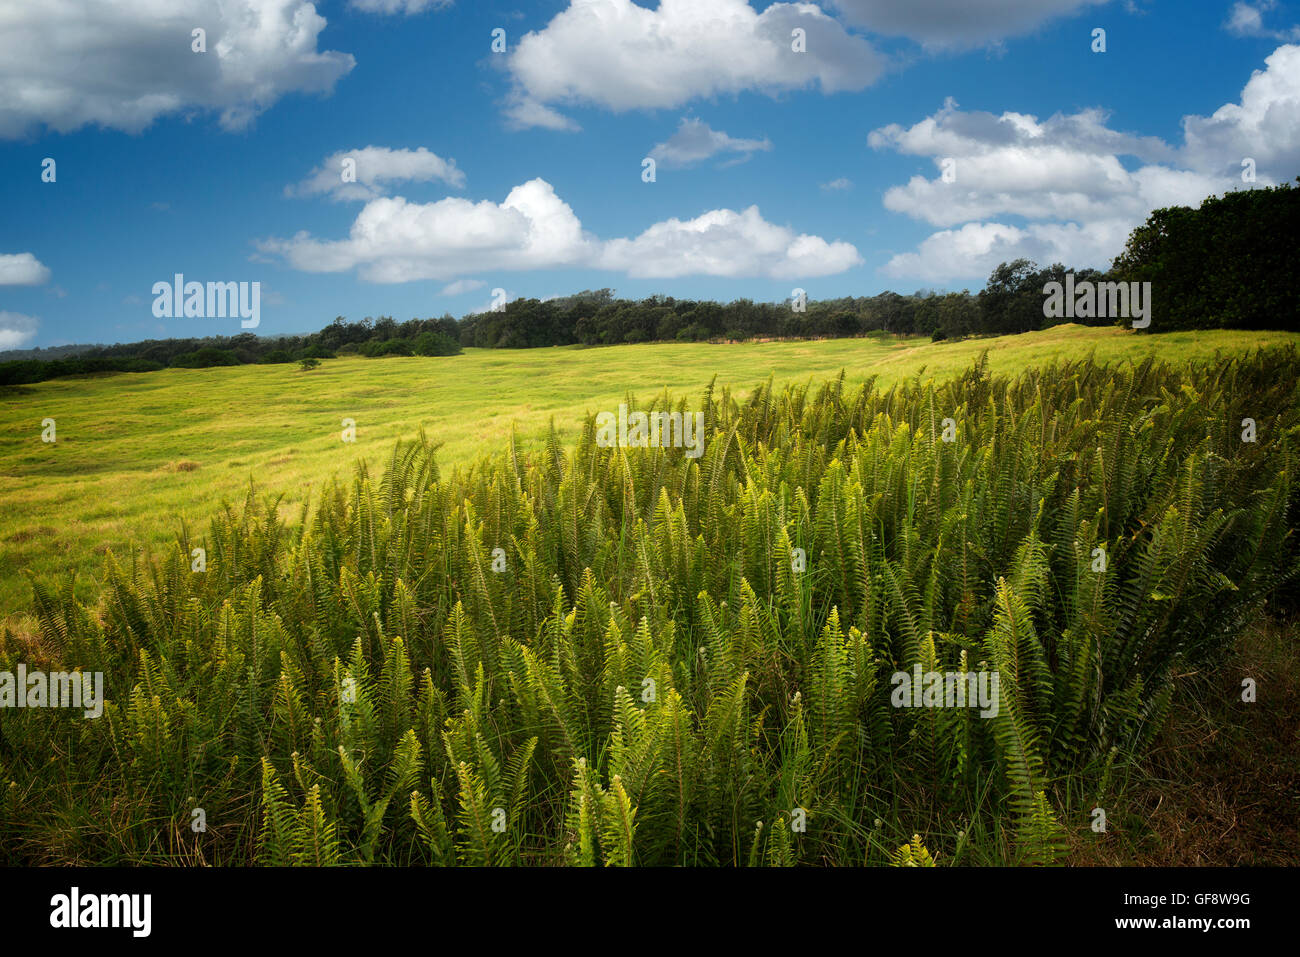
[[141, 365], [26, 371], [378, 349], [205, 358], [433, 343]]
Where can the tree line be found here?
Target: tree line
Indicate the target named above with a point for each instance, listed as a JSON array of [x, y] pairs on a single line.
[[1228, 264]]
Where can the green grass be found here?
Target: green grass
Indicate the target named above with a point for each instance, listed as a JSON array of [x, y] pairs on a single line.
[[139, 454]]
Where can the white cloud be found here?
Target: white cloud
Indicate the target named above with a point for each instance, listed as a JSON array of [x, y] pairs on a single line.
[[1067, 167], [723, 242], [958, 23], [1247, 20], [16, 329], [951, 132], [393, 240], [1265, 125], [22, 269], [71, 63], [462, 286], [522, 113], [695, 142], [838, 184], [972, 251], [407, 7], [1065, 177], [620, 56], [375, 168]]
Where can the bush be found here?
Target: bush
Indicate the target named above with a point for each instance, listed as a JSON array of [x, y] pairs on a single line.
[[378, 349], [24, 371], [308, 363], [205, 358], [141, 365], [437, 344], [27, 371]]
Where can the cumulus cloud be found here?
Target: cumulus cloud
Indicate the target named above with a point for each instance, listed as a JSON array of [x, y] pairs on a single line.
[[393, 240], [973, 251], [375, 168], [958, 23], [22, 269], [620, 56], [1066, 176], [522, 113], [841, 183], [695, 141], [1067, 167], [723, 242], [16, 329], [1247, 20], [123, 65], [953, 132], [1265, 125]]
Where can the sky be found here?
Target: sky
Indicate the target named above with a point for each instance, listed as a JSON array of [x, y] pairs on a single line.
[[413, 157]]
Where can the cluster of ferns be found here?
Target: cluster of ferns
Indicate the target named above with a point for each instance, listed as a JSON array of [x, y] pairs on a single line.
[[626, 656]]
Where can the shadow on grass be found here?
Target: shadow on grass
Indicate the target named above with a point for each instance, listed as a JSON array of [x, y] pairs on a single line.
[[1220, 785]]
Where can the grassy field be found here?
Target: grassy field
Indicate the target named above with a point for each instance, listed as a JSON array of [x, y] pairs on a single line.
[[138, 454], [641, 658]]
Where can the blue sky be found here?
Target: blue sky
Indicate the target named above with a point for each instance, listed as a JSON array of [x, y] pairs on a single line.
[[523, 170]]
